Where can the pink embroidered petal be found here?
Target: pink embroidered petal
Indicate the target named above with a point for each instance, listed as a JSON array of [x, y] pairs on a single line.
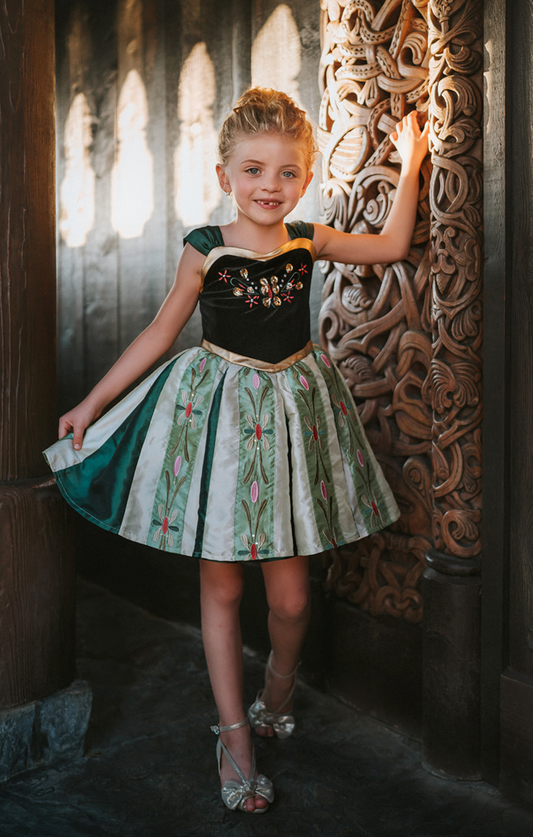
[[254, 491], [304, 382], [325, 360], [323, 489], [360, 458], [177, 466], [203, 363], [256, 380]]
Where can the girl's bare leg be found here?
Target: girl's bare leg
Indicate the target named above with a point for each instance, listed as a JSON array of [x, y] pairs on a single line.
[[289, 600], [221, 592]]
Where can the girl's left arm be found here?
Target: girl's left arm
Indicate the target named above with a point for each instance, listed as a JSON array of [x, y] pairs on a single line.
[[393, 243]]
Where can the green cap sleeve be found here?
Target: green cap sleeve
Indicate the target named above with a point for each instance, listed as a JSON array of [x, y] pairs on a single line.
[[204, 239], [300, 229]]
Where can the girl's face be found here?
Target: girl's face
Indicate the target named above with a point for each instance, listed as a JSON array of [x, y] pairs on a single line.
[[267, 174]]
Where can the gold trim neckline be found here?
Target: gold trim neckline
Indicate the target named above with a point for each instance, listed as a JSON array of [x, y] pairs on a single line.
[[293, 244], [262, 365]]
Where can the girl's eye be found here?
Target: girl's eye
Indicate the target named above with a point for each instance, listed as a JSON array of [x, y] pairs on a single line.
[[253, 170], [288, 174]]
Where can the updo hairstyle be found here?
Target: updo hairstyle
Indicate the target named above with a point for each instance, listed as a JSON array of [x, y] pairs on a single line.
[[260, 110]]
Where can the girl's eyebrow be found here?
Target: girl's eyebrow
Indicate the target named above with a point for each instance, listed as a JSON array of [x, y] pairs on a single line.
[[261, 163]]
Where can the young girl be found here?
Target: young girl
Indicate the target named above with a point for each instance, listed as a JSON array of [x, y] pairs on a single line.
[[249, 447]]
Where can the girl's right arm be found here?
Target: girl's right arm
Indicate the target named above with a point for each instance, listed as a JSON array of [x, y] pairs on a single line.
[[145, 350]]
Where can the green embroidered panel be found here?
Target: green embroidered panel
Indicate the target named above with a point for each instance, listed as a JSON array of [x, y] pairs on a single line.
[[254, 506], [313, 426], [191, 413]]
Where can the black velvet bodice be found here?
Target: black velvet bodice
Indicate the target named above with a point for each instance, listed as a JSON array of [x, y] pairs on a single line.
[[252, 304]]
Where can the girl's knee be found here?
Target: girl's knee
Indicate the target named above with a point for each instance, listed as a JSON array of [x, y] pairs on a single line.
[[290, 606], [222, 586]]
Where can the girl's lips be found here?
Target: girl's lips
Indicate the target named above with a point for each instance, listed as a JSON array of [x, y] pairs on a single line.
[[269, 204]]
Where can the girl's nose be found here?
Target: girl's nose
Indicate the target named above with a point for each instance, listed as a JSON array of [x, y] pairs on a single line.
[[271, 183]]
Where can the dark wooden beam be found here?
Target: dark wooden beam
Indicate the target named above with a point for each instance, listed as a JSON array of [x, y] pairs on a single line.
[[36, 556], [496, 377]]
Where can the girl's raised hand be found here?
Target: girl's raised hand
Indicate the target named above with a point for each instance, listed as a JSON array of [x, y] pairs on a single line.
[[411, 143]]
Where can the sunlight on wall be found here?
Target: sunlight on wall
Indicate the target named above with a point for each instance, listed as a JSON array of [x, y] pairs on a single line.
[[196, 188], [276, 53], [132, 182], [276, 62], [76, 216]]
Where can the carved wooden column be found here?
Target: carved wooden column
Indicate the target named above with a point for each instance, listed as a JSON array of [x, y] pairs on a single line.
[[36, 555], [407, 336], [452, 583], [375, 320]]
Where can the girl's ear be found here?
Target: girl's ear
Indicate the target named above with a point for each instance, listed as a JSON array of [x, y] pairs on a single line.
[[223, 180], [307, 181]]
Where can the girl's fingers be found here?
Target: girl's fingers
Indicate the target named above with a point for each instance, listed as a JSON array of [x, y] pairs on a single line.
[[67, 425], [64, 428]]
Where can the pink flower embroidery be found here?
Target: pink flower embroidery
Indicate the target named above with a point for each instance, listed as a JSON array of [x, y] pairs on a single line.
[[304, 382], [325, 360], [323, 489], [254, 491], [372, 507], [253, 549], [256, 380], [340, 409], [164, 532], [177, 466], [360, 458], [189, 409], [202, 364], [258, 432], [314, 432]]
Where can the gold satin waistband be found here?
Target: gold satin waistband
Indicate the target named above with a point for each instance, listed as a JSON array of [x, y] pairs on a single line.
[[263, 365]]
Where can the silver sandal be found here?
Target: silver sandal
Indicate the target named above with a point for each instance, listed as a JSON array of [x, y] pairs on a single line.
[[235, 794], [261, 716]]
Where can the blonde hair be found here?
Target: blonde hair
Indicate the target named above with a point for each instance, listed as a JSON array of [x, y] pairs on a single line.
[[260, 110]]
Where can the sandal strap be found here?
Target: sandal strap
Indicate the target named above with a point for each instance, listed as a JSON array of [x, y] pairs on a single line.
[[217, 729], [276, 674], [266, 696]]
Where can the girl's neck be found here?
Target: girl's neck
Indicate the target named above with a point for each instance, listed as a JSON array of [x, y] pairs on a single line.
[[246, 234]]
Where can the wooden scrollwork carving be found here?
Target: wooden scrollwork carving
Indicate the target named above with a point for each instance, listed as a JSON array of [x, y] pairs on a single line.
[[391, 328], [456, 272]]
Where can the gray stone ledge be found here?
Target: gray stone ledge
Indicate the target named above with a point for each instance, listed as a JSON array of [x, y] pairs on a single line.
[[44, 731]]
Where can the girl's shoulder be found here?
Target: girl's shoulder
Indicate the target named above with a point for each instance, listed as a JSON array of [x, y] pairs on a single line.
[[204, 239]]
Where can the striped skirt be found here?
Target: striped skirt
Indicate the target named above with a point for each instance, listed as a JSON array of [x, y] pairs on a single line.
[[219, 460]]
